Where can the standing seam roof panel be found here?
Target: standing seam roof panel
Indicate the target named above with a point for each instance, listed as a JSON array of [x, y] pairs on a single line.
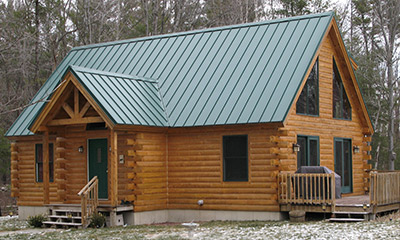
[[193, 76], [119, 99], [188, 73], [131, 109], [302, 67], [110, 55], [209, 75], [253, 64], [233, 71], [116, 57], [149, 55], [226, 75], [183, 60], [270, 70], [128, 60], [158, 57], [214, 76], [258, 72], [142, 93], [241, 78], [201, 82], [287, 75], [287, 57], [138, 56], [97, 92], [115, 66]]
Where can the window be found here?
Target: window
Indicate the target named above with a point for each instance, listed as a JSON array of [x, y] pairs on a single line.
[[39, 162], [309, 151], [235, 158], [341, 104], [308, 102]]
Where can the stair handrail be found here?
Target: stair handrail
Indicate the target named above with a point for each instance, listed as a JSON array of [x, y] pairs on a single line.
[[89, 200]]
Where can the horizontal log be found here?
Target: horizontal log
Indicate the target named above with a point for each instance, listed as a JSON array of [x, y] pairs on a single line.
[[149, 208], [161, 185], [151, 202], [192, 168], [195, 180], [151, 196], [367, 148]]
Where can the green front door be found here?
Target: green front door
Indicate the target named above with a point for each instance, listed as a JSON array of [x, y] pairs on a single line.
[[343, 163], [98, 164]]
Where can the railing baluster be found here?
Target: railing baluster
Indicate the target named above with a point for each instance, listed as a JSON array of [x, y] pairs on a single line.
[[305, 188], [89, 200]]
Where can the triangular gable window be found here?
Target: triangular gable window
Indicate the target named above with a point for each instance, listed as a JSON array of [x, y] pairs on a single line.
[[341, 105], [308, 102]]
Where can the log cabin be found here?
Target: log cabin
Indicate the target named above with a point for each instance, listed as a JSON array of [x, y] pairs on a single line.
[[201, 125]]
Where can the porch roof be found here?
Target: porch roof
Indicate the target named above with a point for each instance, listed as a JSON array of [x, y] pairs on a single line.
[[125, 99]]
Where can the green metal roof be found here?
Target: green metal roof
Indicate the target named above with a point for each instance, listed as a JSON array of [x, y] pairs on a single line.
[[239, 74], [125, 99]]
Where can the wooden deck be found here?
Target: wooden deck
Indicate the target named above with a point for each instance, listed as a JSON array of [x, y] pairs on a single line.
[[316, 193], [353, 200]]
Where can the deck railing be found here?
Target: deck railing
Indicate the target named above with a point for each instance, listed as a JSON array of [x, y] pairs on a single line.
[[384, 187], [307, 188], [89, 200]]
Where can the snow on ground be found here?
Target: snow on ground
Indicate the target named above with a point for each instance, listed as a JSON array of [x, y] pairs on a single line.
[[225, 230], [315, 230]]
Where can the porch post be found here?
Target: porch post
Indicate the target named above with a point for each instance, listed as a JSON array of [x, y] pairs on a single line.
[[46, 167], [114, 168]]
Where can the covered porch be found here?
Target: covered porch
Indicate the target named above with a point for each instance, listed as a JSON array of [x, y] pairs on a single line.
[[316, 193]]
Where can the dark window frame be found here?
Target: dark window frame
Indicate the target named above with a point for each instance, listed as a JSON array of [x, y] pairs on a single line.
[[308, 138], [342, 95], [245, 158], [306, 91], [39, 162]]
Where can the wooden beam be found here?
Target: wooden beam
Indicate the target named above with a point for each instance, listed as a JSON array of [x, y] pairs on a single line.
[[76, 101], [114, 168], [58, 122], [46, 173], [68, 110], [84, 109]]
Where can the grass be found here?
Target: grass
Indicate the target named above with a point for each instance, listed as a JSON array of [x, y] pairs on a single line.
[[380, 229]]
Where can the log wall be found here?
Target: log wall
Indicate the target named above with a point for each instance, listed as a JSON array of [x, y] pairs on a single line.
[[23, 176], [142, 178], [195, 169], [325, 126]]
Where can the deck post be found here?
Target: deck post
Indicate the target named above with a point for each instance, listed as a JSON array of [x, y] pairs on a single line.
[[333, 191], [46, 175], [114, 168]]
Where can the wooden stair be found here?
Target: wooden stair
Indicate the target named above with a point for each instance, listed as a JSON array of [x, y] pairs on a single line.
[[349, 216], [64, 217]]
